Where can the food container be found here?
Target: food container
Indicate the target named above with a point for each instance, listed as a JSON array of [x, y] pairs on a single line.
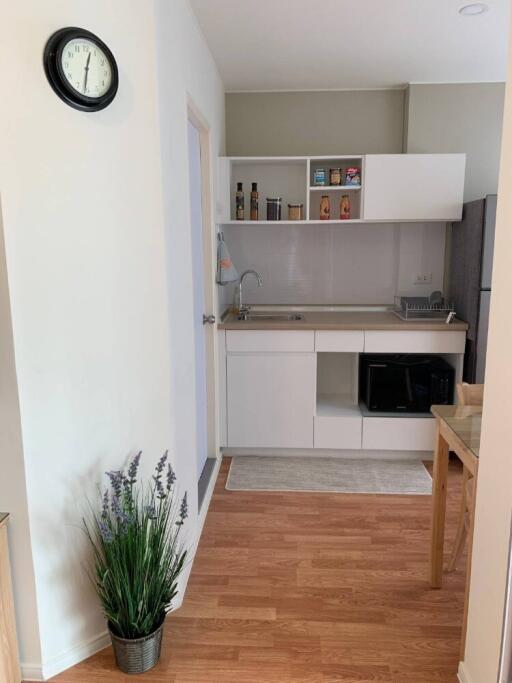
[[353, 176], [319, 177], [325, 208], [295, 212], [274, 208], [335, 176]]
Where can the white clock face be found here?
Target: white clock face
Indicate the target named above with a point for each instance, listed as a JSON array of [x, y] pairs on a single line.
[[86, 67]]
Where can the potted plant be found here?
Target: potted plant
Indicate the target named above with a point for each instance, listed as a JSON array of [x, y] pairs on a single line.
[[138, 557]]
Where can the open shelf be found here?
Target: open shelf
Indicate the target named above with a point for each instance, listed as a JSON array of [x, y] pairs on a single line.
[[337, 405], [335, 188], [287, 222]]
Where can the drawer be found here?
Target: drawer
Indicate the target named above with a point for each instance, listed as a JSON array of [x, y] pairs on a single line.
[[339, 340], [337, 432], [240, 341], [414, 341], [399, 433]]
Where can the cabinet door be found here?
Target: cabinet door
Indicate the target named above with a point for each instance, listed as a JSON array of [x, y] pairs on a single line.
[[407, 187], [271, 400]]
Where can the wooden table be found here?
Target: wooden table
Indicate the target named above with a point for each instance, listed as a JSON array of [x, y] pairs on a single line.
[[9, 662], [458, 430]]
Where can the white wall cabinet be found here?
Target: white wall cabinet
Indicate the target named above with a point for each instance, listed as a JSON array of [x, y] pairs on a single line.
[[271, 400], [393, 187], [408, 187]]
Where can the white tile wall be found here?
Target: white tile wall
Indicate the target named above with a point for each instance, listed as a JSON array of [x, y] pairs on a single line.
[[333, 264]]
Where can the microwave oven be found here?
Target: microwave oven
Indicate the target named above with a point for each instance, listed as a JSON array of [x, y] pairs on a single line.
[[404, 383]]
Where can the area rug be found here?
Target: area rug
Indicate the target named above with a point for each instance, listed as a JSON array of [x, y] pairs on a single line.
[[278, 473]]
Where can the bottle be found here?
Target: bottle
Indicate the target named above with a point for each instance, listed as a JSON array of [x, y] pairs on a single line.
[[239, 202], [254, 202], [325, 208], [345, 207]]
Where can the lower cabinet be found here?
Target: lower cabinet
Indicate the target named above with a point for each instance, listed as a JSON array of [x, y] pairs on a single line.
[[271, 400], [398, 433]]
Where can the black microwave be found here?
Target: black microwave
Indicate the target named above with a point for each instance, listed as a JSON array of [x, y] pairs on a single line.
[[404, 383]]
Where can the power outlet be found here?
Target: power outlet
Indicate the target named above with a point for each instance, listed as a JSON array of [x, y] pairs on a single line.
[[423, 279]]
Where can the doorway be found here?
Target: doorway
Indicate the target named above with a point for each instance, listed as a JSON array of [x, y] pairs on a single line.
[[203, 296]]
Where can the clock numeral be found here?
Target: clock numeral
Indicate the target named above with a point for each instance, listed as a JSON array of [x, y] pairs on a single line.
[[85, 48], [70, 54], [78, 85], [102, 83], [70, 75], [102, 62], [77, 48]]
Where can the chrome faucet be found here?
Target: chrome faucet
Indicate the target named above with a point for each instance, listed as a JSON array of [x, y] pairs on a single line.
[[238, 290]]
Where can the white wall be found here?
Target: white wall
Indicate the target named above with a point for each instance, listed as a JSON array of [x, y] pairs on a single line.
[[494, 498], [334, 264], [99, 260]]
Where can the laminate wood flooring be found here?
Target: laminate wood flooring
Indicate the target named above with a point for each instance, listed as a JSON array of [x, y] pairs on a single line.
[[310, 588]]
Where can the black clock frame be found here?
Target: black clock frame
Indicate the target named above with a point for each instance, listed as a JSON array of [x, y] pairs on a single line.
[[52, 60]]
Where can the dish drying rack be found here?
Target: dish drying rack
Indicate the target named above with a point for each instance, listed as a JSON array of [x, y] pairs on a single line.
[[422, 308]]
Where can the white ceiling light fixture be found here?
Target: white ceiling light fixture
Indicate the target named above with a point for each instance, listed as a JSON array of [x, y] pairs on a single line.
[[474, 9]]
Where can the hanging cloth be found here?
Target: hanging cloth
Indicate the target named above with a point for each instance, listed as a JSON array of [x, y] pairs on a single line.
[[226, 271]]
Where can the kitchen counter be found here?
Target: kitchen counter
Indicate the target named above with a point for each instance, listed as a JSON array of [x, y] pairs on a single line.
[[338, 320]]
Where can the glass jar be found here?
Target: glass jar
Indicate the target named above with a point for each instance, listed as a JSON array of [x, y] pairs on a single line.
[[295, 212], [319, 177], [274, 208]]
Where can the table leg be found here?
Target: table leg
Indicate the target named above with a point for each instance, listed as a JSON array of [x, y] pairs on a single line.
[[468, 571], [438, 510]]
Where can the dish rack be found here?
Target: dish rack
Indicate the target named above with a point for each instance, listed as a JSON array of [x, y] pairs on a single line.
[[422, 308]]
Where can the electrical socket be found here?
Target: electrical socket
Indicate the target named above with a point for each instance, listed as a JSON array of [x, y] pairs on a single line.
[[423, 279]]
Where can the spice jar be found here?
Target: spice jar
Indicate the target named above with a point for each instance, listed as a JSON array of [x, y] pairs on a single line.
[[345, 207], [273, 208], [295, 212], [335, 176], [325, 208], [319, 177]]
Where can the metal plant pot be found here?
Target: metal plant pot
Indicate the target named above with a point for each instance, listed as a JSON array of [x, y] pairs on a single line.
[[135, 656]]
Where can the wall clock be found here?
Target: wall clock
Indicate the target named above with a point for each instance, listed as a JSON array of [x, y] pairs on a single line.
[[81, 69]]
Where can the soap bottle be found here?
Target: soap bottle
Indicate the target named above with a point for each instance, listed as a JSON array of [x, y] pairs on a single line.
[[239, 202], [254, 202]]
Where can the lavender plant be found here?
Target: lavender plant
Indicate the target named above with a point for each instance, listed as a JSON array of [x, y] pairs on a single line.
[[138, 555]]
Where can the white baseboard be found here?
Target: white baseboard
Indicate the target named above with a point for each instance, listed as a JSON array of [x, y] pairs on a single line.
[[327, 453], [56, 665], [463, 674]]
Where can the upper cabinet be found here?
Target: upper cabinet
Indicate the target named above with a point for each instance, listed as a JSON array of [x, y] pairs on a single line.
[[407, 187], [355, 189]]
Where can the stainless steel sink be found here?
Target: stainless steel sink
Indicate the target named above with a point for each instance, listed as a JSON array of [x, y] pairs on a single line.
[[270, 317]]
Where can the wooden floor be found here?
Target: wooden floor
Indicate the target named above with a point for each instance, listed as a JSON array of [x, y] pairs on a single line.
[[309, 588]]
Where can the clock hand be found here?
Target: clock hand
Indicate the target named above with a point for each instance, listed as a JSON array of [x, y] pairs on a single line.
[[86, 72]]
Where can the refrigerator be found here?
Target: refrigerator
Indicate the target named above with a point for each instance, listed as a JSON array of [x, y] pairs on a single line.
[[471, 256]]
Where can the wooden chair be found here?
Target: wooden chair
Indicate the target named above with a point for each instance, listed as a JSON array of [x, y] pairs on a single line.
[[467, 395]]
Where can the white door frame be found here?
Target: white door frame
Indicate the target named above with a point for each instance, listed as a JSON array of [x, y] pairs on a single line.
[[209, 259]]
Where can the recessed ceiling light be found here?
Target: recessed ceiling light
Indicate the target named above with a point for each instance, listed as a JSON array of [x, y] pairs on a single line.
[[474, 9]]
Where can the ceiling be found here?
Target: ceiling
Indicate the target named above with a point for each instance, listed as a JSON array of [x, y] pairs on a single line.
[[323, 44]]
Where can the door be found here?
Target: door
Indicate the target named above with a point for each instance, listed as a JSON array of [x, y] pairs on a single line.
[[407, 187], [196, 224], [271, 400]]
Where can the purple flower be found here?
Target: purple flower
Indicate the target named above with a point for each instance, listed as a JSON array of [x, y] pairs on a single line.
[[151, 511], [161, 464], [104, 509], [116, 481], [171, 477], [183, 510], [105, 531], [134, 466], [119, 513], [160, 493]]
